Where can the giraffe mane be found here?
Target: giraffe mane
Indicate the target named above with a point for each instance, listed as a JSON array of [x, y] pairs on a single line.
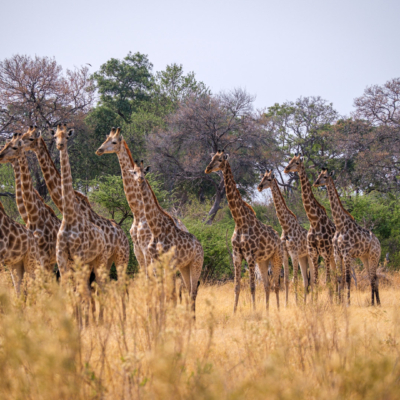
[[83, 197], [2, 207], [148, 184], [284, 202], [340, 203], [48, 153], [319, 204], [46, 205], [249, 206]]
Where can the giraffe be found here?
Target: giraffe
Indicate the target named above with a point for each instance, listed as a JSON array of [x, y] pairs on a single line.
[[140, 230], [165, 235], [117, 244], [41, 219], [321, 232], [18, 249], [294, 236], [351, 240], [251, 240], [78, 238]]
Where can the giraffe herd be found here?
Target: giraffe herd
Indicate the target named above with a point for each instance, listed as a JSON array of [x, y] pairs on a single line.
[[98, 242]]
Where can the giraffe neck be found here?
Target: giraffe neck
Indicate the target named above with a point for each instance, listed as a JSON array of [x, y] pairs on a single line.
[[51, 175], [310, 204], [156, 217], [238, 209], [67, 190], [285, 216], [339, 215], [32, 203], [131, 187], [18, 191]]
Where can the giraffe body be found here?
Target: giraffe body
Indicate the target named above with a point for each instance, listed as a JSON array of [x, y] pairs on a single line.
[[294, 236], [78, 238], [165, 235], [140, 230], [18, 249], [322, 230], [252, 240], [351, 240], [117, 244], [40, 218]]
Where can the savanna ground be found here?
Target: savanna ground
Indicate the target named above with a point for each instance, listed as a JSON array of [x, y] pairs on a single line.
[[317, 351]]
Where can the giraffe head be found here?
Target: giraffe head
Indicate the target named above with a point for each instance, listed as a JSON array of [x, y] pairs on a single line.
[[323, 177], [217, 162], [266, 181], [139, 172], [294, 164], [30, 138], [62, 134], [112, 144], [12, 149]]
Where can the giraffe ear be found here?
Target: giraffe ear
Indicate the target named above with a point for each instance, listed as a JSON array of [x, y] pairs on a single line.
[[52, 132], [120, 138], [226, 156], [332, 173], [38, 133], [146, 170], [273, 176], [70, 133]]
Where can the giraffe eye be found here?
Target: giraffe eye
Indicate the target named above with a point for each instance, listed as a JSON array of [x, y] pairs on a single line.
[[31, 140], [114, 142]]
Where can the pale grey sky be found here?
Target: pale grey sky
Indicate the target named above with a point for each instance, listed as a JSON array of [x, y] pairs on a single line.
[[277, 50]]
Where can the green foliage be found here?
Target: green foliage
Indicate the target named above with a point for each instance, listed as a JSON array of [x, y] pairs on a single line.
[[215, 238], [123, 85], [7, 186], [380, 213]]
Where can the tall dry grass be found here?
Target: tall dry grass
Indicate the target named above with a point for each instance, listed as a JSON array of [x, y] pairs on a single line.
[[319, 351]]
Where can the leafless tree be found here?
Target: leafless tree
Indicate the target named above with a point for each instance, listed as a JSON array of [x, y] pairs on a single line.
[[201, 126], [302, 126], [380, 105], [35, 91]]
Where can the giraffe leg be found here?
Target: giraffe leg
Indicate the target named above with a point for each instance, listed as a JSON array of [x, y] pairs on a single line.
[[347, 276], [303, 267], [339, 269], [263, 266], [276, 267], [373, 265], [334, 271], [286, 274], [252, 266], [140, 258], [237, 261], [121, 263], [329, 268], [17, 275], [195, 272], [295, 260], [97, 264], [313, 255]]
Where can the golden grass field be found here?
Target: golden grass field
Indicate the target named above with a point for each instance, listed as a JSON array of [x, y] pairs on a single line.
[[317, 351]]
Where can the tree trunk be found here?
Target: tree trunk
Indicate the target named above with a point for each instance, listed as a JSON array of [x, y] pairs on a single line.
[[216, 206]]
